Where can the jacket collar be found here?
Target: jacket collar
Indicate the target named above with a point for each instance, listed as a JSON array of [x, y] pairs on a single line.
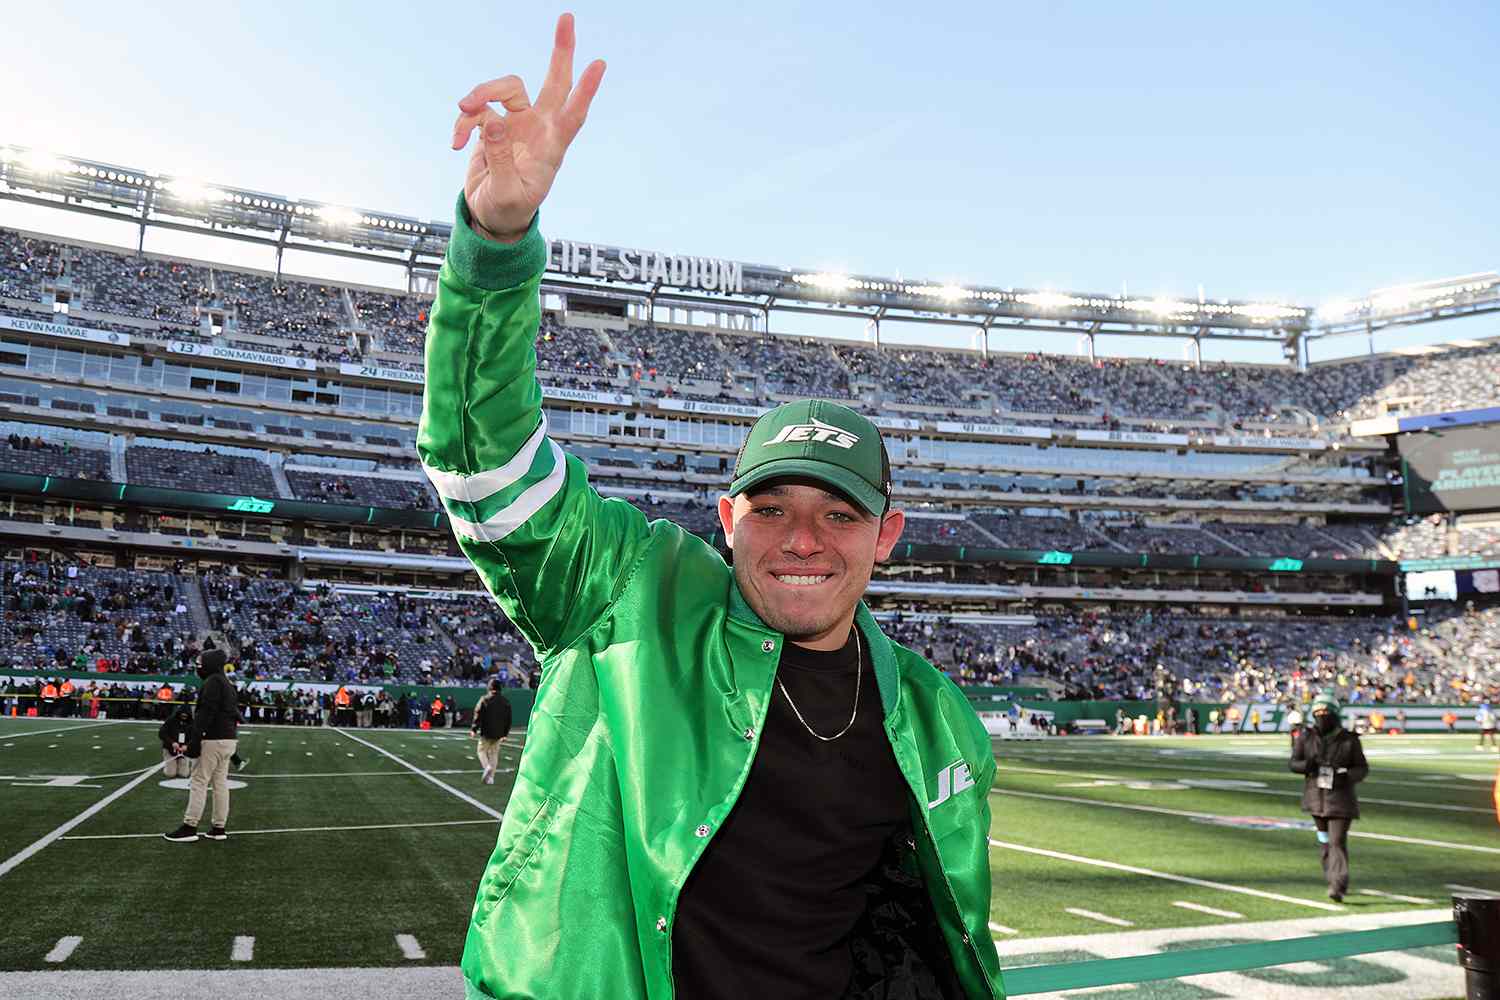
[[882, 651]]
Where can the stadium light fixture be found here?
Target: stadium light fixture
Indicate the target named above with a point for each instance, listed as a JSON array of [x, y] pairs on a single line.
[[827, 282], [1046, 300], [193, 192], [338, 216], [1338, 309], [1264, 312], [951, 293], [39, 162], [1163, 307]]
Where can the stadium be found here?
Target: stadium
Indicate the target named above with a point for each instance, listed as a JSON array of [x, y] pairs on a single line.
[[1137, 569]]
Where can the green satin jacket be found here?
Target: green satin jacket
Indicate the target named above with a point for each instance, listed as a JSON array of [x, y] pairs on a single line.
[[656, 680]]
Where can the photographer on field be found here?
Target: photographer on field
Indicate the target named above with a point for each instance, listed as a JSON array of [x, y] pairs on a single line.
[[1333, 762], [175, 735]]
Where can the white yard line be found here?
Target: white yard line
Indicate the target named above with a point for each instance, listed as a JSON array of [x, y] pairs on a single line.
[[1103, 918], [1473, 889], [45, 732], [1264, 791], [410, 949], [1189, 814], [243, 949], [1396, 896], [297, 829], [317, 774], [436, 781], [63, 948], [1168, 876], [1200, 908], [1002, 929], [10, 863]]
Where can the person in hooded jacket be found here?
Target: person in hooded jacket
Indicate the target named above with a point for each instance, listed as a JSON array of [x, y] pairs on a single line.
[[492, 717], [215, 730], [1333, 762]]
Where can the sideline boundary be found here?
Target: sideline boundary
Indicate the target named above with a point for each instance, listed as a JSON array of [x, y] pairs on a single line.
[[1226, 958]]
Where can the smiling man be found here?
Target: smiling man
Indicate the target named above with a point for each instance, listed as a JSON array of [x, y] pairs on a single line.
[[733, 785]]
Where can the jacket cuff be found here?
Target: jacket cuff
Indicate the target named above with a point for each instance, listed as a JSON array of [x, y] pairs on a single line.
[[490, 265]]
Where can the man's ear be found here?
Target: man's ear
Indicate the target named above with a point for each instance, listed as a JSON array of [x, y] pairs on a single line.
[[891, 527], [726, 519]]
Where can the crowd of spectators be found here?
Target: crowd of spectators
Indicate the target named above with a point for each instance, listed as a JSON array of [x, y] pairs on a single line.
[[295, 310], [1228, 395], [143, 287], [76, 617], [82, 617], [1452, 657]]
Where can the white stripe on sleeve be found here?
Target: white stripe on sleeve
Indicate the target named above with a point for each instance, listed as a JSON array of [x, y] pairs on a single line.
[[508, 519], [471, 489]]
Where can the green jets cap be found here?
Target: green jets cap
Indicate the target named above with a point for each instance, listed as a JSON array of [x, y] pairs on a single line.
[[818, 440], [1326, 701]]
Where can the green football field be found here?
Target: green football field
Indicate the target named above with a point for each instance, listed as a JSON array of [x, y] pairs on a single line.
[[363, 848]]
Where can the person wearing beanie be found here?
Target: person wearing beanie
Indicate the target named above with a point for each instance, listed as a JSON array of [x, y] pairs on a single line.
[[214, 740], [1332, 762], [492, 717]]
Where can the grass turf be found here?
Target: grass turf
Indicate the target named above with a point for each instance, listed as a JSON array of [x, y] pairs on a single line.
[[321, 898]]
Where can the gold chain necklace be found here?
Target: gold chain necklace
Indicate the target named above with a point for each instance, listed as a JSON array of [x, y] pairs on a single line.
[[859, 673]]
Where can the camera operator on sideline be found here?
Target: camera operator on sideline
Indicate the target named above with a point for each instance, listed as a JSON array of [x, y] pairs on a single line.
[[1333, 762], [175, 734]]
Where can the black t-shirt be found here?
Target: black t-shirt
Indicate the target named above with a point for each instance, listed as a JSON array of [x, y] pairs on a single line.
[[768, 910]]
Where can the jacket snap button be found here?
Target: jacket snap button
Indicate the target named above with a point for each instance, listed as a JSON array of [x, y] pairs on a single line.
[[749, 733], [702, 830], [768, 646], [661, 923]]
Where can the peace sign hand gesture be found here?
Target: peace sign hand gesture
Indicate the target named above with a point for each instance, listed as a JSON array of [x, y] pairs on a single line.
[[518, 155]]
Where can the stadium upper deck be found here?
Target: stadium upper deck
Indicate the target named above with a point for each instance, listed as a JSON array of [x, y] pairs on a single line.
[[74, 287]]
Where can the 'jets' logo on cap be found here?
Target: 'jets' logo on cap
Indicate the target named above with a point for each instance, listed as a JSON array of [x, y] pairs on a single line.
[[815, 431]]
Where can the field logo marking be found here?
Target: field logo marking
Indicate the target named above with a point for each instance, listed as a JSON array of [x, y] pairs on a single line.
[[10, 863], [951, 780]]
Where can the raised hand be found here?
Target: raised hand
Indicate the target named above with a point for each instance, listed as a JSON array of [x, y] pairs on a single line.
[[519, 154]]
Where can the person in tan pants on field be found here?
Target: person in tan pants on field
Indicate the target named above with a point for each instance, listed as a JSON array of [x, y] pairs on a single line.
[[490, 727], [215, 727]]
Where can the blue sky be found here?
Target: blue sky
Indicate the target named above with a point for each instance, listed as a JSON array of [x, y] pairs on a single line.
[[1276, 150]]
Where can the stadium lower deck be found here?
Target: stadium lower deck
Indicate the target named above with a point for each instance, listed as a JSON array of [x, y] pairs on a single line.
[[353, 858]]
